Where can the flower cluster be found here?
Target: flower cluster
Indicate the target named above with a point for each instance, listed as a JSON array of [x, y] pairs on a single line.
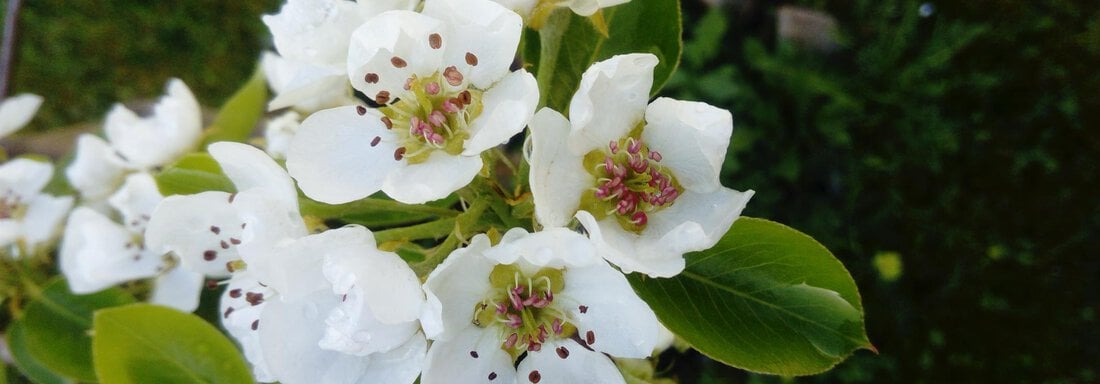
[[406, 104]]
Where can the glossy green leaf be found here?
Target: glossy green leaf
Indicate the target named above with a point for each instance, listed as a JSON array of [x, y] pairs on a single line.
[[28, 365], [571, 43], [144, 343], [767, 299], [193, 173], [238, 116], [56, 326]]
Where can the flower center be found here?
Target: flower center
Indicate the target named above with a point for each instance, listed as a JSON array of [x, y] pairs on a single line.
[[434, 114], [521, 307], [11, 206], [631, 184]]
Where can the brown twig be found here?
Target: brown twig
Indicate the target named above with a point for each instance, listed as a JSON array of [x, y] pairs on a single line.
[[7, 46]]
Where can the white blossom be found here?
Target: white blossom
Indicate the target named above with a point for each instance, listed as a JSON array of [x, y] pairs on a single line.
[[527, 8], [28, 218], [16, 111], [311, 36], [537, 294], [442, 78], [643, 180]]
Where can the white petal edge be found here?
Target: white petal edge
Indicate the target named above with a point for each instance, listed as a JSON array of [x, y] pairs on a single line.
[[95, 171], [558, 177], [508, 106], [692, 138], [174, 129], [454, 288], [332, 159], [482, 28], [453, 361], [178, 288], [433, 179], [622, 324], [250, 168], [17, 111], [580, 366], [95, 253], [610, 100]]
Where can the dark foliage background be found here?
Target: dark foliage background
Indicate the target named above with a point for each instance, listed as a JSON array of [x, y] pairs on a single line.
[[949, 159]]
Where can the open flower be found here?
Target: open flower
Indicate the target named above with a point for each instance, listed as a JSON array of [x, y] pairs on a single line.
[[97, 252], [28, 217], [135, 143], [446, 94], [546, 297], [312, 36], [17, 111], [643, 180]]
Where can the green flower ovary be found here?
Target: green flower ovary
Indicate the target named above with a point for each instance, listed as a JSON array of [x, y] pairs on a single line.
[[521, 308], [631, 184], [433, 116]]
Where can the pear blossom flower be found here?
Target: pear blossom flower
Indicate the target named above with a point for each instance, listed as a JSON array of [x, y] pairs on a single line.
[[545, 296], [642, 179], [311, 36], [97, 252], [17, 111], [445, 92], [327, 307], [28, 217], [136, 144]]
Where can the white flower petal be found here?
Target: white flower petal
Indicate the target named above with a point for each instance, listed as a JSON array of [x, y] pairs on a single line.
[[203, 230], [610, 100], [239, 315], [454, 288], [306, 86], [97, 253], [692, 138], [250, 168], [433, 179], [482, 28], [178, 288], [621, 323], [17, 111], [391, 288], [508, 106], [399, 366], [393, 45], [354, 328], [454, 361], [579, 365], [279, 131], [694, 223], [332, 159], [289, 335], [24, 178], [95, 171], [43, 218], [589, 7], [522, 7], [10, 230], [550, 248], [558, 177], [174, 129], [136, 201], [315, 31], [370, 8]]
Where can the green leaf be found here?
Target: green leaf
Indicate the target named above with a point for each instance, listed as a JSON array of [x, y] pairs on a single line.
[[571, 43], [56, 326], [28, 365], [238, 116], [193, 173], [766, 298], [144, 343], [375, 212]]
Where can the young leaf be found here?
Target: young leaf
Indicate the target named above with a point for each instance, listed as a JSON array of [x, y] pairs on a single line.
[[571, 43], [193, 173], [28, 365], [144, 343], [766, 299], [239, 115], [56, 326]]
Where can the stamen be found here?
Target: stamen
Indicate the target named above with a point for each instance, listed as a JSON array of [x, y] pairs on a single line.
[[398, 62], [471, 59], [383, 97], [361, 110], [371, 78], [435, 41], [399, 153], [453, 76]]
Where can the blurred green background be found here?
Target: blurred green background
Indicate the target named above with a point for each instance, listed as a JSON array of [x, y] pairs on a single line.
[[945, 151]]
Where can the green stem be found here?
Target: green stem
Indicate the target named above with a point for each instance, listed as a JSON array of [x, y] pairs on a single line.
[[467, 222], [313, 208]]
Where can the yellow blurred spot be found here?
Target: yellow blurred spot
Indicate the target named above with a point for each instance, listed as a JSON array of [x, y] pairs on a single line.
[[888, 265]]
